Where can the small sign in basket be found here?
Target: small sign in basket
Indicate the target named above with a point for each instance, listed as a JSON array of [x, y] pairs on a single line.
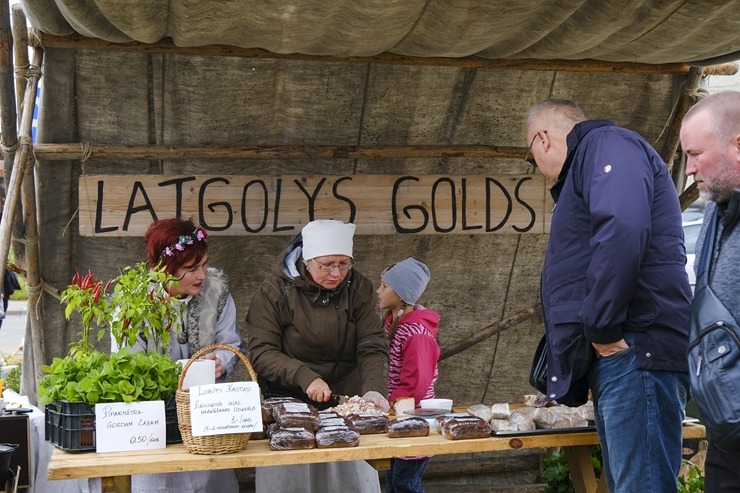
[[208, 444]]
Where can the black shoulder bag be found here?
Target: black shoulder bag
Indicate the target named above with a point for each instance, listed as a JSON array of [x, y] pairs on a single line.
[[714, 355]]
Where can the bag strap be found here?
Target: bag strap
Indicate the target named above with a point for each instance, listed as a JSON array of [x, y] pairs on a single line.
[[706, 250]]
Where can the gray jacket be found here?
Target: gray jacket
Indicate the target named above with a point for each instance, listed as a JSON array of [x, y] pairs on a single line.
[[724, 276]]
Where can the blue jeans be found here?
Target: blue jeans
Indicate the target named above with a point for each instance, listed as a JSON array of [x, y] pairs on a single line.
[[638, 419], [404, 476]]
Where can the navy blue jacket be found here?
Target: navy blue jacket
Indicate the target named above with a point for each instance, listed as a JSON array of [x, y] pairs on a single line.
[[615, 258]]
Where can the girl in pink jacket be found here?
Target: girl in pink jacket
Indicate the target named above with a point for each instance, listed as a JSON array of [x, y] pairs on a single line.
[[414, 353]]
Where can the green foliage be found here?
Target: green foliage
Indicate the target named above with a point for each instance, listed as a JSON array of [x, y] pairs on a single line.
[[143, 305], [93, 377], [694, 483], [86, 295], [140, 303], [556, 473], [13, 380]]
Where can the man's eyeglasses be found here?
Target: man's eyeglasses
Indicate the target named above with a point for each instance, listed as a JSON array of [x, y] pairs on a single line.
[[329, 268], [529, 158]]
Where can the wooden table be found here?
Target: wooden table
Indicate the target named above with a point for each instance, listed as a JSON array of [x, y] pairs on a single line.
[[116, 468]]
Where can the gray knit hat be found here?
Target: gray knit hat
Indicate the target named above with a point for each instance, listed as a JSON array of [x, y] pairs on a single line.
[[408, 278]]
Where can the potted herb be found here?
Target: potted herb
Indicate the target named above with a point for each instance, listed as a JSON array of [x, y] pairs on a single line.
[[139, 303]]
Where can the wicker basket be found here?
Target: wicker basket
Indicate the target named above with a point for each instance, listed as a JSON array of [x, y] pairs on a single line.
[[208, 444]]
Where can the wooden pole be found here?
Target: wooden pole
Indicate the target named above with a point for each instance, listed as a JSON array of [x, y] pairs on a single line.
[[20, 51], [64, 152], [31, 236], [490, 330], [166, 46], [684, 100], [8, 129], [16, 180]]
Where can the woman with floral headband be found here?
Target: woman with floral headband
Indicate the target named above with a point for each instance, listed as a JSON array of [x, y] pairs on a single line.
[[209, 318]]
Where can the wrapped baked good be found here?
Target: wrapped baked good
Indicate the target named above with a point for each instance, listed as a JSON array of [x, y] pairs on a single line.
[[292, 439], [575, 421], [268, 405], [465, 428], [297, 415], [441, 420], [543, 417], [522, 421], [500, 411], [337, 436], [332, 422], [270, 429], [482, 411], [367, 423], [586, 411], [503, 425], [407, 427]]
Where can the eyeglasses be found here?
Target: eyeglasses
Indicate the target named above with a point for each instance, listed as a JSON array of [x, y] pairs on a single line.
[[529, 158], [328, 268]]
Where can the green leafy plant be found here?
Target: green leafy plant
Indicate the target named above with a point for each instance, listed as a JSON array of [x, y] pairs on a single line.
[[93, 377], [13, 380], [86, 295], [693, 482], [139, 304], [143, 306], [556, 473]]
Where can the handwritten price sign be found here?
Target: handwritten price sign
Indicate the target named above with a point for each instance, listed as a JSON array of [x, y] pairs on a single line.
[[225, 408], [123, 426]]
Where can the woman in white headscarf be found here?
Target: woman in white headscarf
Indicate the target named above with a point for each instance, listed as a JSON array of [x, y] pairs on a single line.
[[313, 332]]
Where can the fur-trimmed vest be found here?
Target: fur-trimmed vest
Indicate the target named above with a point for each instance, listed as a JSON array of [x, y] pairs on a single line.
[[204, 310]]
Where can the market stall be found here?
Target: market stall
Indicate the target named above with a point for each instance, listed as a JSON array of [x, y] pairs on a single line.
[[116, 469]]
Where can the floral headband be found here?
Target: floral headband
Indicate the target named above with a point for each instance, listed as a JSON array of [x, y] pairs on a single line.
[[198, 234]]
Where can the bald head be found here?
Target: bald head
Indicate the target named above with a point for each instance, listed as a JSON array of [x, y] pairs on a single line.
[[562, 114], [548, 124], [723, 110]]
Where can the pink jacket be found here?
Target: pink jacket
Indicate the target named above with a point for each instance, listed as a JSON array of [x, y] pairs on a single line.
[[414, 353]]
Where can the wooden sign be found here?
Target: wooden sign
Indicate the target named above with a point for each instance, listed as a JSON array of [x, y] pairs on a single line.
[[223, 408], [130, 426], [125, 205]]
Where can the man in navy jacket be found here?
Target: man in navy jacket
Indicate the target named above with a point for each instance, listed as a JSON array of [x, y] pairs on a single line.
[[615, 294]]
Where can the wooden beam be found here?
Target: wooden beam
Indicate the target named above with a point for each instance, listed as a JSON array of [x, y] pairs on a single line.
[[166, 46], [689, 196], [63, 152], [490, 330]]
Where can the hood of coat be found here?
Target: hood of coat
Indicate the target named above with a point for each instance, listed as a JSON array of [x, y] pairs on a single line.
[[427, 318], [289, 265]]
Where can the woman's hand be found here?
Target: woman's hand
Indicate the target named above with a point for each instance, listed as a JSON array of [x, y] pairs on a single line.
[[377, 399], [219, 368], [318, 391]]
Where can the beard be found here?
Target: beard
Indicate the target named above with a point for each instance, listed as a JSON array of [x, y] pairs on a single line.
[[719, 189]]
